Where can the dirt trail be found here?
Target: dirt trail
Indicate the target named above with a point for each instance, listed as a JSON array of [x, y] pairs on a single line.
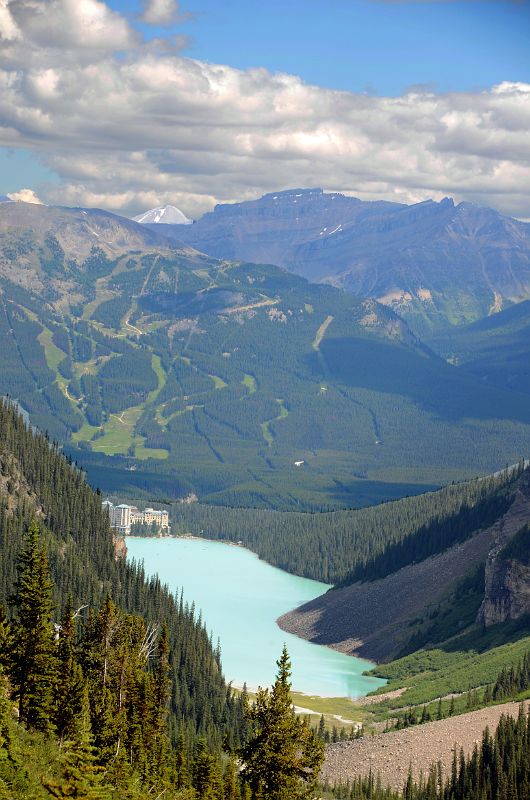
[[390, 754], [251, 306]]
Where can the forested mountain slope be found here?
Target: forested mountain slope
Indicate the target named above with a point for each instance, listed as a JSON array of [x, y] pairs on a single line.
[[175, 373], [496, 350], [411, 596], [341, 547], [36, 481], [434, 263]]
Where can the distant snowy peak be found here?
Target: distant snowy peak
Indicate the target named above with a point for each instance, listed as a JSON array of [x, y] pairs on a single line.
[[166, 215]]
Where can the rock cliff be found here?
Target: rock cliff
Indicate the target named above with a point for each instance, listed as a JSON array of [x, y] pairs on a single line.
[[507, 584]]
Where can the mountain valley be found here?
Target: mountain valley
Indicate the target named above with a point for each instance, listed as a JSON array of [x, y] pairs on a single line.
[[170, 373]]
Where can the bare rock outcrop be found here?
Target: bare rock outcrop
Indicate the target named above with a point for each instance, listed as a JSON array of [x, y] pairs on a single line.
[[507, 594]]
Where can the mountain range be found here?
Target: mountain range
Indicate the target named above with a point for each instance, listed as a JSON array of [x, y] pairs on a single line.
[[171, 373], [434, 263]]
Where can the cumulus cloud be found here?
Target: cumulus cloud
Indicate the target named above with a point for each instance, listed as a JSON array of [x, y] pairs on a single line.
[[161, 12], [70, 27], [147, 126], [25, 196]]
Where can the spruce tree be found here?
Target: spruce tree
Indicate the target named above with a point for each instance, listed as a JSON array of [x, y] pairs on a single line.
[[162, 687], [282, 757], [34, 649], [70, 685], [83, 779]]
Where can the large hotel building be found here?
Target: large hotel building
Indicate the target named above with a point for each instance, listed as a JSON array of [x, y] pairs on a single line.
[[122, 517]]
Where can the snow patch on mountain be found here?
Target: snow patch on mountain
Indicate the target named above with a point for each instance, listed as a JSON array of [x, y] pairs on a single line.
[[168, 215]]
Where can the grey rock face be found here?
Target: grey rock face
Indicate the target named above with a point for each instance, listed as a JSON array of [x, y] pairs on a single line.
[[434, 263], [507, 594]]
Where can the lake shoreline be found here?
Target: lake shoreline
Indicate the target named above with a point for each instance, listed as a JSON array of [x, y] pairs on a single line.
[[240, 598]]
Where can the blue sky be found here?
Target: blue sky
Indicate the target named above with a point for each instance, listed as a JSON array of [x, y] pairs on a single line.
[[100, 108], [365, 45]]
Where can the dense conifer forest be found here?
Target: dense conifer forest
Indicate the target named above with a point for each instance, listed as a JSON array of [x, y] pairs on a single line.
[[87, 636], [340, 547]]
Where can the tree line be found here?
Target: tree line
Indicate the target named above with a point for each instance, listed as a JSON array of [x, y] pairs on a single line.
[[340, 547]]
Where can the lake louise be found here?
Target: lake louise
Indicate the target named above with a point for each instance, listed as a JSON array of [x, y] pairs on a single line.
[[240, 597]]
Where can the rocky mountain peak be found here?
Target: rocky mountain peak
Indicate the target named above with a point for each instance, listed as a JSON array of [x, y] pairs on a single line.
[[163, 215]]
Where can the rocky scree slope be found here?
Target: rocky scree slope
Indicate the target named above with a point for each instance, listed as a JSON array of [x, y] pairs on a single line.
[[375, 619]]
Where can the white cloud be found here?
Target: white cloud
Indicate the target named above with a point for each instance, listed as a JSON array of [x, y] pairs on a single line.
[[160, 12], [72, 26], [148, 126], [25, 196], [8, 27]]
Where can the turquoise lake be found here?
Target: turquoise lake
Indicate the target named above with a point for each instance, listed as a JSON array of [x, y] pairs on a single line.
[[240, 598]]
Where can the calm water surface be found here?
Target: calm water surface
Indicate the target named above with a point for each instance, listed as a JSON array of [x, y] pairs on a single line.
[[240, 598]]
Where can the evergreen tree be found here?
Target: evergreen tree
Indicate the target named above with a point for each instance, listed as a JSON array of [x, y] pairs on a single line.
[[34, 649], [161, 695], [5, 639], [231, 783], [82, 777], [282, 757], [207, 780], [70, 685]]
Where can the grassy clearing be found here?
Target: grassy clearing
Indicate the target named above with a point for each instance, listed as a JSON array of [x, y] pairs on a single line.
[[119, 438], [218, 382], [141, 452], [54, 357], [321, 333], [85, 433], [284, 412], [249, 381], [331, 707], [468, 661], [90, 367], [336, 710], [160, 373], [266, 431], [118, 433], [53, 354]]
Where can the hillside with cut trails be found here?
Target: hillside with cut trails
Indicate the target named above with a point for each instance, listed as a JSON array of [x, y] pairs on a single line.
[[169, 373]]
